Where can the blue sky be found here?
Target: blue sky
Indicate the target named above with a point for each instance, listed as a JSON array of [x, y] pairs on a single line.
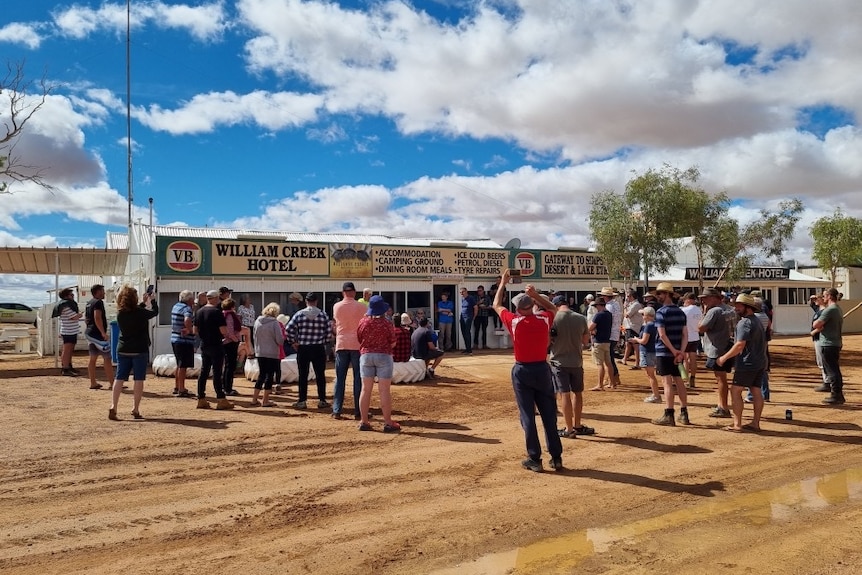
[[447, 118]]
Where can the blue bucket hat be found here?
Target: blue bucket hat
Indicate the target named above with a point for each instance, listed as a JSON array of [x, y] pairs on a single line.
[[376, 306]]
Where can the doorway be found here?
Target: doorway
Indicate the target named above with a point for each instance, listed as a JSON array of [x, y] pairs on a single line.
[[454, 332]]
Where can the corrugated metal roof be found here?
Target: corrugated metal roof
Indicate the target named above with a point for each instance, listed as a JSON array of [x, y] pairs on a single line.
[[65, 261], [117, 241], [330, 238]]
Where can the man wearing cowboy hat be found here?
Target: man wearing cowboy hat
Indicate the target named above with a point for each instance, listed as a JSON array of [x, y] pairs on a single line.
[[616, 310], [531, 375], [670, 347], [750, 347], [716, 327]]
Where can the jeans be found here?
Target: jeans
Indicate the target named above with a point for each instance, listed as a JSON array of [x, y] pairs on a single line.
[[212, 358], [534, 389], [480, 325], [466, 325], [314, 356], [267, 373], [834, 379], [230, 356], [344, 359]]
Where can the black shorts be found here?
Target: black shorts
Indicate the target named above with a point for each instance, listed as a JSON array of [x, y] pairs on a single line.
[[70, 338], [748, 378], [666, 366], [713, 366], [433, 354], [630, 333], [568, 379], [184, 354], [691, 347]]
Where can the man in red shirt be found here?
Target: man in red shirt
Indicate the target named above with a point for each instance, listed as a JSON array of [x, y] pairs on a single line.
[[531, 375]]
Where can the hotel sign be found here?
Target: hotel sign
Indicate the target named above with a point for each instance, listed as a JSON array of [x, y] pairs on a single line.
[[755, 274]]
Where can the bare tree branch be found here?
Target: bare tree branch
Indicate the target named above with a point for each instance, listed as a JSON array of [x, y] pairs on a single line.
[[22, 99]]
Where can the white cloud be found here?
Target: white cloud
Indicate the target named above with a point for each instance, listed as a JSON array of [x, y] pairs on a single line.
[[18, 33], [206, 112], [204, 22]]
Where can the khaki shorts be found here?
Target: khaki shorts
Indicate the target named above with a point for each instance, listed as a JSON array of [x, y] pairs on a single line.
[[602, 353]]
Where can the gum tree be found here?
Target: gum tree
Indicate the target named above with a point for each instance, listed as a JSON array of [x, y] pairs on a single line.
[[837, 242]]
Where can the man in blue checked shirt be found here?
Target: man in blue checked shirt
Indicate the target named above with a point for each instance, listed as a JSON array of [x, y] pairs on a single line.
[[308, 331]]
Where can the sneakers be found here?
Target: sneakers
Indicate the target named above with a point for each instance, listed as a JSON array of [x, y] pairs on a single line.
[[719, 412], [68, 372], [652, 399], [429, 374], [277, 389], [556, 463], [232, 392], [834, 400], [300, 405], [365, 427], [393, 427], [175, 391], [666, 419], [322, 404], [824, 388], [223, 403], [184, 393], [532, 465], [683, 418], [112, 415]]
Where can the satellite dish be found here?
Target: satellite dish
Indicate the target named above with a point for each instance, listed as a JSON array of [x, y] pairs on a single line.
[[513, 244]]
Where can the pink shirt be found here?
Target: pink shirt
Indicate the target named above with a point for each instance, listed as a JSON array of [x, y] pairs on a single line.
[[347, 314]]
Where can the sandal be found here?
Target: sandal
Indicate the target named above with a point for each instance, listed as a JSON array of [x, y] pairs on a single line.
[[584, 430], [184, 393], [268, 404], [749, 427], [597, 388], [391, 427], [254, 403], [564, 433], [137, 415], [365, 427], [112, 415], [732, 429]]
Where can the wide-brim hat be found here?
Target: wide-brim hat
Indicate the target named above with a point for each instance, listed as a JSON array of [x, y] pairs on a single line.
[[608, 292], [710, 292], [376, 306], [664, 287], [746, 299]]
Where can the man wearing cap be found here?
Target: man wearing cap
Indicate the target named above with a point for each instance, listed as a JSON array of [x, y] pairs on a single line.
[[670, 352], [600, 329], [469, 309], [211, 327], [531, 375], [403, 329], [569, 335], [422, 347], [829, 325], [585, 306], [616, 311], [716, 327], [347, 314], [308, 331], [750, 347]]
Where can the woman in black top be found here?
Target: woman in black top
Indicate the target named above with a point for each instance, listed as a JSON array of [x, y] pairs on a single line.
[[133, 349]]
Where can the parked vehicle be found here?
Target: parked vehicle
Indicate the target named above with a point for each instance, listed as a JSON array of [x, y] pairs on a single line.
[[17, 313]]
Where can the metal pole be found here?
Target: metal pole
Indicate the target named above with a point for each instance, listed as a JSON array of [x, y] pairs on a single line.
[[129, 194]]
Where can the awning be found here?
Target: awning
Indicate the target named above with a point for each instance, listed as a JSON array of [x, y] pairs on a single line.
[[63, 261]]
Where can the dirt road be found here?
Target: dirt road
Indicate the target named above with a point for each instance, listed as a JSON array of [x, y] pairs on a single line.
[[258, 491]]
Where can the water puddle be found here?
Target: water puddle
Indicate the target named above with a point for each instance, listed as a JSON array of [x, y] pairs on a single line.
[[561, 554]]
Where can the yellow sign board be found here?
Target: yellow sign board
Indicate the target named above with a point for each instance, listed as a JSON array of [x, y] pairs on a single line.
[[569, 265], [269, 258], [401, 261]]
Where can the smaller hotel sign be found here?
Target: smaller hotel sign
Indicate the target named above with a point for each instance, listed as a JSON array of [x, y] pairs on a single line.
[[183, 256]]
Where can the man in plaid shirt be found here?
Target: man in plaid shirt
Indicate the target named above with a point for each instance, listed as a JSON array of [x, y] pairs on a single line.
[[308, 331]]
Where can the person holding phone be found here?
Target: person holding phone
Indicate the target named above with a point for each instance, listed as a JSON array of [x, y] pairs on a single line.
[[531, 375], [97, 336]]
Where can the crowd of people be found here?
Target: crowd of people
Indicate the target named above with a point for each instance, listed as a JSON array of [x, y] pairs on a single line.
[[663, 336]]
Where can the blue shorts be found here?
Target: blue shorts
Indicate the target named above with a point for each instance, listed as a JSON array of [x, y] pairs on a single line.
[[647, 359], [135, 364], [378, 365]]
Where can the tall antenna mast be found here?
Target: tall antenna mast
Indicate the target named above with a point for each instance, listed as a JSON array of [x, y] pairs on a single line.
[[130, 195]]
